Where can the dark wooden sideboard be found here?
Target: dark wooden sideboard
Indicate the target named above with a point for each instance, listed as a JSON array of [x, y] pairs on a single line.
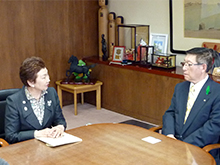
[[141, 92]]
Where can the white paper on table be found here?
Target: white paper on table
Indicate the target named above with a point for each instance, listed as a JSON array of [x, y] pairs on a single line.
[[65, 139], [151, 140]]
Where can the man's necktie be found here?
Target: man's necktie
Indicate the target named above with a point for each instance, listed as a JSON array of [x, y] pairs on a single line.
[[190, 102]]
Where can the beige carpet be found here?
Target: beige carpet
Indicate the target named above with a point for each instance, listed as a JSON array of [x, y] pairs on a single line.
[[88, 114]]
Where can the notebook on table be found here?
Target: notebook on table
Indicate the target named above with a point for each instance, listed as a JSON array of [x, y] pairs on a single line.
[[65, 139]]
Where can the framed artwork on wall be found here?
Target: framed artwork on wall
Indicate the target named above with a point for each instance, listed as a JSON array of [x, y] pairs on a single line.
[[159, 41], [193, 22], [118, 53]]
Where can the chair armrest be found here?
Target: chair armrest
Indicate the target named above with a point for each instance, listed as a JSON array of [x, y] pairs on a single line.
[[211, 147], [155, 129], [3, 143]]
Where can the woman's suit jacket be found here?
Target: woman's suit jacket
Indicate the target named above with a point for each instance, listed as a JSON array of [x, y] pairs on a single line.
[[203, 124], [20, 120]]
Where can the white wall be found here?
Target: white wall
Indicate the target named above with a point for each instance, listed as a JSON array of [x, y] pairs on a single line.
[[154, 13], [148, 12]]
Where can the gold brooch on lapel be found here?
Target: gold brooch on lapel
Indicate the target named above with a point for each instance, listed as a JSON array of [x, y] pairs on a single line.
[[49, 103]]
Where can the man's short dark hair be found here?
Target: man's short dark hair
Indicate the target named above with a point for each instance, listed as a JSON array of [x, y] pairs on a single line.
[[203, 56]]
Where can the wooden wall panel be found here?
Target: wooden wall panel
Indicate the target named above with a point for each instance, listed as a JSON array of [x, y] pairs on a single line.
[[53, 30]]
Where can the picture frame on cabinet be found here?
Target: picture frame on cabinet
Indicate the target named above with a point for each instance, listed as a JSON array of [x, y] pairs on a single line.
[[160, 42], [118, 54]]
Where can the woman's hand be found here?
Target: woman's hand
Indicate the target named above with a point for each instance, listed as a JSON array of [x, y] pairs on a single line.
[[57, 131], [53, 132], [43, 133]]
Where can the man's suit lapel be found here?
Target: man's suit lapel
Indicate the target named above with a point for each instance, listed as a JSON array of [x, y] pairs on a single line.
[[184, 98], [198, 104]]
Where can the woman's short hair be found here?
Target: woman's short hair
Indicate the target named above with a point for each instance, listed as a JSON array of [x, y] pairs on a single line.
[[29, 69]]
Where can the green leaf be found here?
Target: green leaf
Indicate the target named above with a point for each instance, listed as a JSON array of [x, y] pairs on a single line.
[[207, 90]]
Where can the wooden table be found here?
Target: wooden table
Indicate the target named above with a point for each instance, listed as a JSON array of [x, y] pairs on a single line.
[[108, 144], [75, 89]]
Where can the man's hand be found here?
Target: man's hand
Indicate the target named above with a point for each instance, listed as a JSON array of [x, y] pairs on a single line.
[[171, 136]]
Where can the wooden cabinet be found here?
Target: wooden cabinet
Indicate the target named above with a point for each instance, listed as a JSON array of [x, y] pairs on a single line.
[[137, 92]]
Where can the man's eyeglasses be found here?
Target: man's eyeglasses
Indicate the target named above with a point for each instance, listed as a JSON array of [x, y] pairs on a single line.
[[188, 64]]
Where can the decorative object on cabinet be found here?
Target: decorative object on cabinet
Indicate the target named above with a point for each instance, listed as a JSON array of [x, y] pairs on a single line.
[[80, 71], [215, 70], [111, 33], [212, 45], [103, 23], [118, 54], [159, 41], [163, 60], [129, 54], [104, 48], [145, 51], [141, 51], [132, 37], [119, 21]]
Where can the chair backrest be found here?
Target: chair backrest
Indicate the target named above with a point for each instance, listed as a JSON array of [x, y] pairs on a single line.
[[3, 95]]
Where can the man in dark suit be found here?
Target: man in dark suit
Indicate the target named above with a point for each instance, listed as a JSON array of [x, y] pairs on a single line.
[[194, 116]]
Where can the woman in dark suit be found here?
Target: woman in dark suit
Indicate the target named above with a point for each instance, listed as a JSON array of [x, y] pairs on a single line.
[[34, 111]]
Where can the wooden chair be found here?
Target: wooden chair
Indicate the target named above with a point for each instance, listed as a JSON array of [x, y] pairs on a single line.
[[156, 129], [3, 143], [211, 147]]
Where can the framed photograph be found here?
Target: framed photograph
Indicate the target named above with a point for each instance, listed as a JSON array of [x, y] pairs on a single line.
[[193, 22], [159, 41], [118, 53]]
